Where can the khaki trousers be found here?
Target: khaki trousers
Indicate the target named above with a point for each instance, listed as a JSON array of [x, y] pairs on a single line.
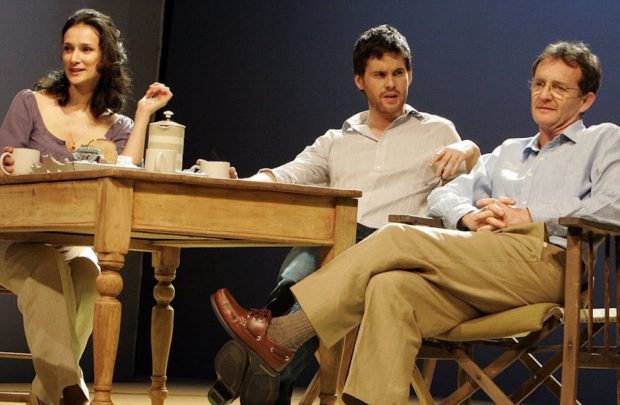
[[56, 293], [405, 283]]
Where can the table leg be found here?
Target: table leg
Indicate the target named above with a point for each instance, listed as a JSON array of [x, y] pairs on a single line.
[[112, 236], [165, 263], [333, 369], [107, 324]]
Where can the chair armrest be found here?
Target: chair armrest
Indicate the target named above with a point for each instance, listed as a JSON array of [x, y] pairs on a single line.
[[590, 225], [416, 220]]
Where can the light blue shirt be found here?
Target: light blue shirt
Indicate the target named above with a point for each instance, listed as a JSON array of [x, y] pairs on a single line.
[[576, 174]]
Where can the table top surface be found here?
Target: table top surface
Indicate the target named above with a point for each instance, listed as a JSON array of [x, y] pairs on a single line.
[[177, 178], [177, 209]]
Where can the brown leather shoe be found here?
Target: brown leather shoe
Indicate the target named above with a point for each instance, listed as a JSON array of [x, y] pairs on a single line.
[[249, 327]]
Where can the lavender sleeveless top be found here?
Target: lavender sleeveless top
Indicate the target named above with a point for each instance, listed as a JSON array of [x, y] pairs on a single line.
[[23, 127]]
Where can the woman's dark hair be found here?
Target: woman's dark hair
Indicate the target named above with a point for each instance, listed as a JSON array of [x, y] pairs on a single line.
[[377, 41], [113, 86]]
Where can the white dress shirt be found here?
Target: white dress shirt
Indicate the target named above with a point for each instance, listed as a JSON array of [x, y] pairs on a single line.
[[391, 171]]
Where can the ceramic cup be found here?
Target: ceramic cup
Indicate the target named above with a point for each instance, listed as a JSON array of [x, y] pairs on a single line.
[[24, 160], [213, 169], [160, 160]]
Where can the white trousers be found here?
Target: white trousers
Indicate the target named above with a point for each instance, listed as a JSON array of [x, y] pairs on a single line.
[[56, 293]]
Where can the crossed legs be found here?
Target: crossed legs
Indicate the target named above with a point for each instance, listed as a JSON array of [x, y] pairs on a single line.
[[400, 285], [56, 295], [450, 277]]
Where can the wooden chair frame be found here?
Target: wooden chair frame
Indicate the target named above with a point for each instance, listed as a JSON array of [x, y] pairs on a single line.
[[580, 319], [10, 396]]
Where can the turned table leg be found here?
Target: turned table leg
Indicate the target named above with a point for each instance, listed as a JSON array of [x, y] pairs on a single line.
[[165, 263], [107, 324], [112, 236]]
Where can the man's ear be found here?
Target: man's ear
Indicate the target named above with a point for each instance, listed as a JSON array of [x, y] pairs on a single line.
[[586, 102], [410, 74], [359, 82]]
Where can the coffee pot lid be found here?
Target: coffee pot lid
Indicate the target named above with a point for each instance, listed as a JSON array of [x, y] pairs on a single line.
[[168, 122]]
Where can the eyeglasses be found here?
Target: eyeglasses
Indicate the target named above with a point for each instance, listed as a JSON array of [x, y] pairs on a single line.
[[560, 91]]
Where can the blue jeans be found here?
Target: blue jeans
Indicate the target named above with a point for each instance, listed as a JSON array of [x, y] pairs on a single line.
[[298, 264]]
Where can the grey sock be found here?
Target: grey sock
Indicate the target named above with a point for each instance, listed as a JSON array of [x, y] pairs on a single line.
[[291, 331]]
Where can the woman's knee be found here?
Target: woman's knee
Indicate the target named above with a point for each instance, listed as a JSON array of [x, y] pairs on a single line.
[[31, 258]]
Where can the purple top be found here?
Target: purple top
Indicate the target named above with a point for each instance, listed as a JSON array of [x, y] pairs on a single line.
[[23, 127]]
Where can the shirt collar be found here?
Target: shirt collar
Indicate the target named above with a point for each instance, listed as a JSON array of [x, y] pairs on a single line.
[[572, 133], [362, 118]]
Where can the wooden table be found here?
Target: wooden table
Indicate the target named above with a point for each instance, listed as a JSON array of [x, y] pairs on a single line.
[[117, 210]]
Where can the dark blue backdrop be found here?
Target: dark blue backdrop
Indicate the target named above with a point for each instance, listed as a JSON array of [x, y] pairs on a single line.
[[257, 81]]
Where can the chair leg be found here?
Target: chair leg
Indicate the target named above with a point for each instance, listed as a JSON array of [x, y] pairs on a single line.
[[618, 387], [482, 378], [312, 391], [421, 387], [541, 374], [462, 376], [428, 370]]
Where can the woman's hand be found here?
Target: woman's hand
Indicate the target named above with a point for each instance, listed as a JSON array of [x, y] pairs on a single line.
[[156, 97], [8, 161]]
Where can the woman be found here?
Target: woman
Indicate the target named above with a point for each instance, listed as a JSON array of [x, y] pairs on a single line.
[[55, 286]]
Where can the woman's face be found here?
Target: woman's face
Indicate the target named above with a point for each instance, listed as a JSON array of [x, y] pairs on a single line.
[[81, 56]]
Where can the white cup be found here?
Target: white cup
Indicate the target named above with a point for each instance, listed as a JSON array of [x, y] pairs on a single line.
[[160, 160], [213, 169], [24, 158]]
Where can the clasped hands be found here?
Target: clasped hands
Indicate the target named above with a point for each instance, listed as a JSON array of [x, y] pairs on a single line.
[[494, 214]]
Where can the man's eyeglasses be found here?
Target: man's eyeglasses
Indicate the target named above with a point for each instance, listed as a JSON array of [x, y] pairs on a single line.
[[560, 91]]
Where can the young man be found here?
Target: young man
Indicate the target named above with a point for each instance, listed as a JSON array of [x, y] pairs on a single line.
[[393, 153], [406, 283]]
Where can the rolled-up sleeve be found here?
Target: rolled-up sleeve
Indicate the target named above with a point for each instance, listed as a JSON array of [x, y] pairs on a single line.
[[311, 166], [457, 198]]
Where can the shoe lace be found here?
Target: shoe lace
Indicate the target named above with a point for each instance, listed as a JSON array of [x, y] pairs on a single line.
[[259, 314]]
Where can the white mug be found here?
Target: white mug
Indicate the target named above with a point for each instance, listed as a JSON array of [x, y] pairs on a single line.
[[213, 169], [160, 160], [24, 158]]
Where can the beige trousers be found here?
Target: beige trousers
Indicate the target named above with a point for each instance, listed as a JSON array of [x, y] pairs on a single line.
[[405, 283], [56, 293]]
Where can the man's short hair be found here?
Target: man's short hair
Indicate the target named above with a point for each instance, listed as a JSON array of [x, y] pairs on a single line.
[[377, 41], [575, 54]]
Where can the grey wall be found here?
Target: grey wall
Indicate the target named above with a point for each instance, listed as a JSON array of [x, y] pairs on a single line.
[[30, 47]]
